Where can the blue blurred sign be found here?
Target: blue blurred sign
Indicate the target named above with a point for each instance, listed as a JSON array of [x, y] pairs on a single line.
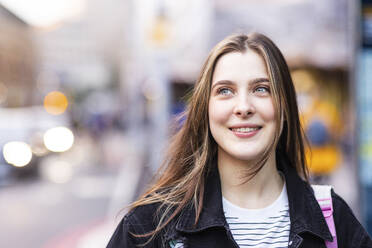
[[364, 101], [364, 104]]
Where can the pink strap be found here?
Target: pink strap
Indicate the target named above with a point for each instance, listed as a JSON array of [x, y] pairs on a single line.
[[327, 209]]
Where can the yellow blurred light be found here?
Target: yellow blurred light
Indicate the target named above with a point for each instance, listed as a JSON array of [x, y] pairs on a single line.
[[303, 80], [58, 139], [55, 103], [323, 160], [17, 153], [159, 35]]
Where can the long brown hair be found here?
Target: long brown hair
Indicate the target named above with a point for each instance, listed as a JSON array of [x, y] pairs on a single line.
[[180, 181]]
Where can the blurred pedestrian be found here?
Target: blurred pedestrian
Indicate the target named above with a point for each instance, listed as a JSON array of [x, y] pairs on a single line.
[[235, 174]]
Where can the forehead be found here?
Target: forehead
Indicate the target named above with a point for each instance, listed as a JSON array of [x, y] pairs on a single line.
[[238, 66]]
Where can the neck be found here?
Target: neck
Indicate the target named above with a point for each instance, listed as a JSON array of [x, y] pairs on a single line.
[[258, 192]]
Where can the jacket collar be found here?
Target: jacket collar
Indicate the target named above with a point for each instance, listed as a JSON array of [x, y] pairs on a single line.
[[305, 213], [212, 213]]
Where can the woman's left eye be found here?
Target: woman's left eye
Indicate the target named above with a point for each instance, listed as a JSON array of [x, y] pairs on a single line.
[[262, 89]]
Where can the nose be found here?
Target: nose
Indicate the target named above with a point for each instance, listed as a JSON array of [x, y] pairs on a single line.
[[244, 106]]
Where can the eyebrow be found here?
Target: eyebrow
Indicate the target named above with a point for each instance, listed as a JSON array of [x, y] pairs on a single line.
[[251, 82]]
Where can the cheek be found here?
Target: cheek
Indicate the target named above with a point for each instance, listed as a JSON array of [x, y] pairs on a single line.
[[267, 111], [218, 112]]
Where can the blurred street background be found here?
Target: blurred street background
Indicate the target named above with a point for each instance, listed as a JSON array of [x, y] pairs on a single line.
[[89, 89]]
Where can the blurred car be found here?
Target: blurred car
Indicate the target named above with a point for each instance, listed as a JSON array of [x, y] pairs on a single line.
[[22, 145]]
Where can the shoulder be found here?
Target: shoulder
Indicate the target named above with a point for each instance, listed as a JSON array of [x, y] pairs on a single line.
[[136, 223], [348, 229], [143, 218]]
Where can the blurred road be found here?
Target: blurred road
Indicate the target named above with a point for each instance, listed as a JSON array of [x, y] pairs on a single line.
[[79, 213], [38, 213]]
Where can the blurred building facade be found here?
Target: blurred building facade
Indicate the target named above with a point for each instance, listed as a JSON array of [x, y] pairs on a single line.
[[18, 58], [82, 52]]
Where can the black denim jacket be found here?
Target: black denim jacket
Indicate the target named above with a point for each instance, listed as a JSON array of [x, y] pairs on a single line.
[[308, 227]]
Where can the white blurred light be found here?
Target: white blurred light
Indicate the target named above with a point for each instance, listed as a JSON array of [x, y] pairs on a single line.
[[17, 153], [57, 171], [58, 139], [44, 13]]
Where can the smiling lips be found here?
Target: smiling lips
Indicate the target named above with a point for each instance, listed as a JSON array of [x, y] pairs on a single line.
[[245, 131]]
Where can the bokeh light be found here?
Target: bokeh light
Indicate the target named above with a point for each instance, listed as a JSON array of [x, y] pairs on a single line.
[[58, 139], [57, 11], [17, 153], [55, 103]]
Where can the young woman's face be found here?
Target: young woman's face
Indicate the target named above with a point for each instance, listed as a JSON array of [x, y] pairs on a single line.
[[241, 110]]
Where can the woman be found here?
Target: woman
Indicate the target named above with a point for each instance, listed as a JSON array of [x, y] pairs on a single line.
[[235, 174]]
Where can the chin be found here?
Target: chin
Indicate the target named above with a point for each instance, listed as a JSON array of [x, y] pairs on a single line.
[[244, 155], [247, 157]]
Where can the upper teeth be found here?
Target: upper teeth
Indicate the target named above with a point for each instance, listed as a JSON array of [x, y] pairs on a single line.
[[245, 129]]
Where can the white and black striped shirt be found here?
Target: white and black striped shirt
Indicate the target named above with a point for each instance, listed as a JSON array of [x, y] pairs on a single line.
[[260, 228]]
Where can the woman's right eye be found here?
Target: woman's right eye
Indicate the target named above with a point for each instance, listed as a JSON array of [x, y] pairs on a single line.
[[224, 91]]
